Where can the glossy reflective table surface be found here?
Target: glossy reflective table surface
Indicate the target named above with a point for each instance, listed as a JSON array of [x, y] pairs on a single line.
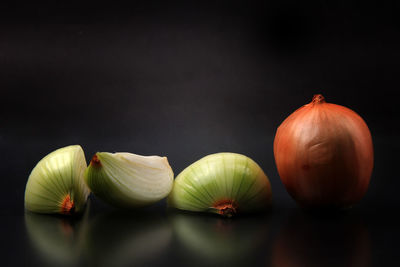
[[152, 237], [184, 80]]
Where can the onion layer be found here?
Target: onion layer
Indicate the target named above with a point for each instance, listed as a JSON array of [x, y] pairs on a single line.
[[324, 155], [128, 180]]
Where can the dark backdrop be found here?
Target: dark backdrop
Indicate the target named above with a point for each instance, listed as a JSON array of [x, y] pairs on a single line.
[[186, 80]]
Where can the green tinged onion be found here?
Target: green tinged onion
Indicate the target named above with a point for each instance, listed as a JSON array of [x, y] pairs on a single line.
[[56, 183], [129, 180], [222, 183]]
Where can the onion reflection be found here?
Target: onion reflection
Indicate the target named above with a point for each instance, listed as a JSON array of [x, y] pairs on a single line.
[[58, 240], [307, 240], [124, 238], [209, 240]]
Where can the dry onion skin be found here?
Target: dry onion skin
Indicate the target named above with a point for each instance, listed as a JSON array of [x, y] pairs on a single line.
[[56, 185], [128, 180], [222, 183], [324, 155]]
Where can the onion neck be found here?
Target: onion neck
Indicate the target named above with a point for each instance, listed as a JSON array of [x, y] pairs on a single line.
[[318, 99]]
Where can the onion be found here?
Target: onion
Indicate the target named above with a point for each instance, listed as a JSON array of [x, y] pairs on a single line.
[[56, 185], [222, 183], [324, 155], [128, 180]]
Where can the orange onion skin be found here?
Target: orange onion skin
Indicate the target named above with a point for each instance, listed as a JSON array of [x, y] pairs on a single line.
[[324, 155]]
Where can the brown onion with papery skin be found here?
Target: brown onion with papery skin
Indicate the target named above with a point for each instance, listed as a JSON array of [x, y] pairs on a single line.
[[324, 155]]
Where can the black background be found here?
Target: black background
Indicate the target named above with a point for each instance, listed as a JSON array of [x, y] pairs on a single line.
[[186, 80]]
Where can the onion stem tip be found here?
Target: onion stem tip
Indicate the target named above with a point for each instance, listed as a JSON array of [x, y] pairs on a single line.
[[318, 99], [95, 161]]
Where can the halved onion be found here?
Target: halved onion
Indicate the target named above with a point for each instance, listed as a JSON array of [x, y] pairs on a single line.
[[56, 183], [222, 183]]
